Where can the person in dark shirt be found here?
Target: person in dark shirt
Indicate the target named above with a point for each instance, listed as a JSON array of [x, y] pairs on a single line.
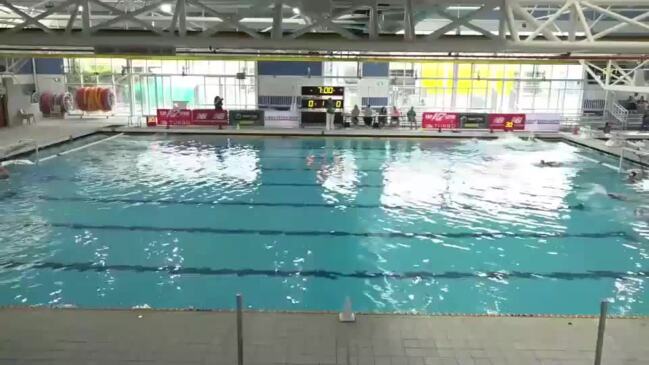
[[411, 117], [645, 122], [383, 117], [218, 103], [607, 128], [631, 103]]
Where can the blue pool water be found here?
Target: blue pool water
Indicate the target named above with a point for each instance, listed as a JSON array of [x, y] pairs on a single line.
[[461, 226]]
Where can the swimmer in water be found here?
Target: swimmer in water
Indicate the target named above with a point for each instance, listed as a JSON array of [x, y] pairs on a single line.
[[642, 213], [617, 196], [544, 163], [4, 173], [634, 176], [578, 206]]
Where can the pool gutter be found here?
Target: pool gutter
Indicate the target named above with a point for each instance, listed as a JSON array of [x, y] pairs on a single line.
[[343, 133], [378, 314]]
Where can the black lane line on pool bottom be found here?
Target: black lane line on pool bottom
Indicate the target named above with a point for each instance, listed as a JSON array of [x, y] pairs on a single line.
[[268, 204], [272, 232], [313, 185], [325, 274]]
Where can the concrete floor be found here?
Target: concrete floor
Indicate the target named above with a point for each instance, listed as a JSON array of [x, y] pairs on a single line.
[[600, 145], [47, 132], [71, 337]]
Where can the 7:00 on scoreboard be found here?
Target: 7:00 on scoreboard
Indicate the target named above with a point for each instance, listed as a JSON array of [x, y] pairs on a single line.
[[323, 90], [321, 103]]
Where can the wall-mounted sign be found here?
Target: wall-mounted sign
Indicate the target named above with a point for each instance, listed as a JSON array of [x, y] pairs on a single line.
[[439, 120], [473, 121]]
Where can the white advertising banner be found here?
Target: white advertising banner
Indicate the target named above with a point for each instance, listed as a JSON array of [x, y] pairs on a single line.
[[543, 122], [281, 119]]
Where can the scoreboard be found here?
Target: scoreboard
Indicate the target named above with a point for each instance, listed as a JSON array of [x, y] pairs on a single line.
[[323, 91], [321, 103], [314, 100]]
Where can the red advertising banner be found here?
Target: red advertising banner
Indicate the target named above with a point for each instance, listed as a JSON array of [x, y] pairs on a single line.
[[507, 122], [174, 116], [210, 117], [439, 120]]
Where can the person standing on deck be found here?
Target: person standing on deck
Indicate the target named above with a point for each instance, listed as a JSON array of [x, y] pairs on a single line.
[[355, 114], [411, 117], [331, 113], [368, 115], [218, 103]]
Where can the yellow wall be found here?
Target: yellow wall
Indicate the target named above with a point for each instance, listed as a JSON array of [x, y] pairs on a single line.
[[432, 74]]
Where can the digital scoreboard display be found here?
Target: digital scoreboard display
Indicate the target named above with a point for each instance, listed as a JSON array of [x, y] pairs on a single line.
[[321, 103], [323, 91], [314, 103]]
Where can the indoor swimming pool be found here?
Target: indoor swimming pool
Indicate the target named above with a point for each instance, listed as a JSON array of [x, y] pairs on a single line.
[[300, 224]]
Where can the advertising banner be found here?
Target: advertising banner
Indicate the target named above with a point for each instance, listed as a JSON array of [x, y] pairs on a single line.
[[507, 122], [174, 116], [209, 117], [543, 122], [282, 119], [473, 121], [247, 117], [438, 120]]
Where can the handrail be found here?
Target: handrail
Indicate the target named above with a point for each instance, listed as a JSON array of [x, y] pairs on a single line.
[[601, 327]]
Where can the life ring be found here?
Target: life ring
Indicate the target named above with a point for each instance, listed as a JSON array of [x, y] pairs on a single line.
[[45, 103], [66, 102], [91, 99]]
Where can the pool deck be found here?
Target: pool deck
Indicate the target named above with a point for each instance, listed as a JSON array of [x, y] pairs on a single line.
[[600, 145], [47, 133], [71, 337]]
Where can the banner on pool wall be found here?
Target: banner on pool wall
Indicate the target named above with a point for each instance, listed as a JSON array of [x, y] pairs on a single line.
[[508, 122], [247, 117], [473, 121], [543, 122], [210, 117], [439, 120], [174, 116], [282, 119]]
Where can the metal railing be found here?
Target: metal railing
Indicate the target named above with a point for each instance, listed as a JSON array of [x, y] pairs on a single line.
[[347, 316], [601, 327]]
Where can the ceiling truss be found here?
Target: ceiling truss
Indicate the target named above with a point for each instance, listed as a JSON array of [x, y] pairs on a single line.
[[522, 26]]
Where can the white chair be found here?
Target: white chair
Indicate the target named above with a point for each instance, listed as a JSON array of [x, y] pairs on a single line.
[[26, 118]]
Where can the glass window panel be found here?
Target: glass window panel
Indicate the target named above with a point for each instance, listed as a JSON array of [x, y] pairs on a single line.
[[559, 71], [575, 72], [170, 67]]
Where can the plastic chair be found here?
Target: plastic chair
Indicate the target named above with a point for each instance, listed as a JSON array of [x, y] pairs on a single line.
[[26, 118]]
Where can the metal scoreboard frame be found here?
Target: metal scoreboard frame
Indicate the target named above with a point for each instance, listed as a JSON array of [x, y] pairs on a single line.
[[313, 108]]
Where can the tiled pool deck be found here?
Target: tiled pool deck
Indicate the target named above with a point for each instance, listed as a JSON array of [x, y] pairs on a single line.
[[46, 133], [71, 337]]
